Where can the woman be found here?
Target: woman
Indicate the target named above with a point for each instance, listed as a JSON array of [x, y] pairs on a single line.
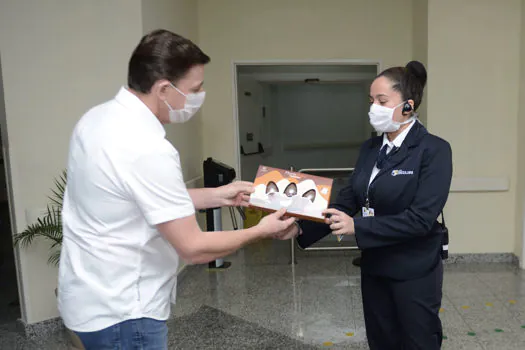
[[400, 185]]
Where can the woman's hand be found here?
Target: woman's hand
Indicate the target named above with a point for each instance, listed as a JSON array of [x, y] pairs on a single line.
[[235, 194], [340, 223]]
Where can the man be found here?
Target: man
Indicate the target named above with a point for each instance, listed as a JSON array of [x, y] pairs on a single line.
[[127, 215]]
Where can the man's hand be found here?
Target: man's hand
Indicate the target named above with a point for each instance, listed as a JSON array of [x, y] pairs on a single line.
[[276, 225], [340, 223], [291, 232], [236, 194]]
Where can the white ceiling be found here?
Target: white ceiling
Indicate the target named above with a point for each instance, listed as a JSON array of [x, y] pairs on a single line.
[[300, 72]]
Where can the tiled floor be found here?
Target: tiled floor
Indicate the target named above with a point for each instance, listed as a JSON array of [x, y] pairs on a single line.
[[262, 302]]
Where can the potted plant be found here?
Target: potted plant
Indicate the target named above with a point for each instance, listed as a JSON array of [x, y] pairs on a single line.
[[49, 227]]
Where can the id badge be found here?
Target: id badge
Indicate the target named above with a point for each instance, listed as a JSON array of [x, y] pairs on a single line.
[[368, 212]]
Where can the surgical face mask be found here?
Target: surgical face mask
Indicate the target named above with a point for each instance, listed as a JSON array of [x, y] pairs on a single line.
[[381, 118], [193, 103]]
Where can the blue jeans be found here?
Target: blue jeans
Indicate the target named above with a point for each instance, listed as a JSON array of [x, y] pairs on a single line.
[[139, 334]]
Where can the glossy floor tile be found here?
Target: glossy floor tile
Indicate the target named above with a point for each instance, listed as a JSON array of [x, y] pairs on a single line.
[[264, 302]]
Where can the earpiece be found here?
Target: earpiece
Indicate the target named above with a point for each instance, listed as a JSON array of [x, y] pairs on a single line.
[[406, 107]]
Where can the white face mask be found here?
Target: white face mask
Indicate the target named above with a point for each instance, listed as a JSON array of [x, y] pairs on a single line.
[[193, 103], [381, 118]]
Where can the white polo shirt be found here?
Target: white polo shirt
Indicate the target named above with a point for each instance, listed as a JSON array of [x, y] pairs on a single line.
[[124, 178]]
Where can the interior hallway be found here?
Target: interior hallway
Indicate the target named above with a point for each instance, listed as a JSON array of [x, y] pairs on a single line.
[[261, 302]]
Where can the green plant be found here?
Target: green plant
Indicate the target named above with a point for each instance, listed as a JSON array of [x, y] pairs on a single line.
[[50, 225]]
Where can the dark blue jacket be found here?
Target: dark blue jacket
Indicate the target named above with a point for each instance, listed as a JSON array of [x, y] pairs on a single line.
[[402, 240]]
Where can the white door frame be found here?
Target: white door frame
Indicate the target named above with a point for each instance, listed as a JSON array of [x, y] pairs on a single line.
[[338, 62]]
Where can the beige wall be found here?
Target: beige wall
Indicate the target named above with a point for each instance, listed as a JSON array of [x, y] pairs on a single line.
[[420, 45], [473, 61], [179, 16], [59, 58], [291, 30]]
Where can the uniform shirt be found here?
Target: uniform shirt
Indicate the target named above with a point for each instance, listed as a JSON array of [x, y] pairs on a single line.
[[123, 178], [398, 141]]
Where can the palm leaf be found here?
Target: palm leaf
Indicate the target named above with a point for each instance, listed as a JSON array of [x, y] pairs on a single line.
[[54, 258], [57, 197], [49, 226]]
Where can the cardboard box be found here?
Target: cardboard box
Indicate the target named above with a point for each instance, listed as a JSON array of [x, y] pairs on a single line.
[[304, 196]]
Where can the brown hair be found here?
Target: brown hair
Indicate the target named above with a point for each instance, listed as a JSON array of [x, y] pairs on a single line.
[[162, 54]]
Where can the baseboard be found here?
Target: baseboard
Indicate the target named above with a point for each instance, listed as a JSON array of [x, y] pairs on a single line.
[[480, 258], [41, 330]]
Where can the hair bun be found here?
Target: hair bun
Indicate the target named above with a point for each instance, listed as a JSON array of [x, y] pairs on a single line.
[[418, 70]]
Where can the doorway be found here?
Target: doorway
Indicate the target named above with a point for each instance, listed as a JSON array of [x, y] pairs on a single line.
[[301, 115], [310, 116], [10, 309]]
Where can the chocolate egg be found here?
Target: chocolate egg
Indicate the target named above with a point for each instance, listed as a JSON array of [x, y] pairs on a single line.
[[271, 187], [310, 195], [291, 190]]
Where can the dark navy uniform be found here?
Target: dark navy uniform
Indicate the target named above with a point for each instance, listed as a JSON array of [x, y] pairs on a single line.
[[401, 266]]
